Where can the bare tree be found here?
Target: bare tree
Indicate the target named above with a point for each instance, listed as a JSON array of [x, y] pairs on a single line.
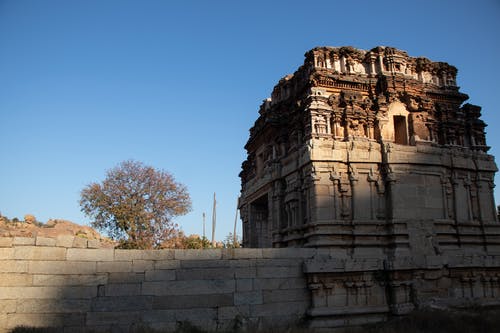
[[136, 204]]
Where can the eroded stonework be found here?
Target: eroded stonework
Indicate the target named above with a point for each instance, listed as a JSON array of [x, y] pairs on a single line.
[[373, 155]]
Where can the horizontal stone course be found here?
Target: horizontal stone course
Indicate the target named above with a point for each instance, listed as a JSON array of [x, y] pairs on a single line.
[[53, 305], [114, 266], [69, 280], [90, 254], [15, 279], [39, 253], [14, 320], [13, 266], [124, 255], [22, 241], [192, 287], [121, 303], [110, 318], [205, 254], [128, 277], [122, 289], [160, 275], [192, 301], [36, 292], [62, 267]]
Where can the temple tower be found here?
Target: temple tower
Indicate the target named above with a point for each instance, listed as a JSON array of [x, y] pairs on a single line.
[[369, 152]]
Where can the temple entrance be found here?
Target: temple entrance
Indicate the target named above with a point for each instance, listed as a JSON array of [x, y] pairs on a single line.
[[260, 235], [400, 131]]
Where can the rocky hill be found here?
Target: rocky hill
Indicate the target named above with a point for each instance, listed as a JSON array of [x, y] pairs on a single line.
[[53, 228]]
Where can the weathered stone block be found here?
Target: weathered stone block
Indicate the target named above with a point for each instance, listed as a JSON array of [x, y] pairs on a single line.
[[94, 244], [53, 305], [5, 242], [324, 265], [90, 254], [47, 292], [45, 241], [287, 295], [159, 316], [39, 253], [204, 274], [131, 277], [80, 242], [193, 287], [11, 266], [142, 265], [6, 253], [114, 266], [122, 289], [279, 272], [291, 252], [69, 280], [61, 267], [65, 240], [124, 255], [278, 309], [208, 254], [107, 319], [244, 285], [231, 312], [168, 264], [22, 241], [122, 303], [245, 272], [206, 263], [249, 297], [15, 279], [44, 320], [279, 283], [241, 253], [160, 275], [7, 306], [201, 318], [192, 301], [279, 262]]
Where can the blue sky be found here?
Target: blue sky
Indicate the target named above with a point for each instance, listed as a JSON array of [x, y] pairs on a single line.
[[85, 85]]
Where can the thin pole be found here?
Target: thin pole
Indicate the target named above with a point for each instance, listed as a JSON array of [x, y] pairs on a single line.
[[214, 221], [236, 221], [203, 225]]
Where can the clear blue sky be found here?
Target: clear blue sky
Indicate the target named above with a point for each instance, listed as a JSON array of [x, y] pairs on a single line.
[[85, 85]]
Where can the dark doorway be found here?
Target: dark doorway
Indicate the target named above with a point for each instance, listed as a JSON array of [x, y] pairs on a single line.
[[400, 131], [260, 235]]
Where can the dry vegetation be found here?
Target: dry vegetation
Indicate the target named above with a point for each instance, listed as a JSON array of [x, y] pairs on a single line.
[[423, 321]]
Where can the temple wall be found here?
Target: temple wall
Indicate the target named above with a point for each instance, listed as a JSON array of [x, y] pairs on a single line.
[[44, 284], [50, 283]]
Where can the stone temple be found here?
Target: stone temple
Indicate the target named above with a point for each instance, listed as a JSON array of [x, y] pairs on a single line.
[[369, 152], [372, 159]]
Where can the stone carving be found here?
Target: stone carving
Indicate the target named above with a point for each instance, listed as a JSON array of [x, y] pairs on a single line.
[[393, 166]]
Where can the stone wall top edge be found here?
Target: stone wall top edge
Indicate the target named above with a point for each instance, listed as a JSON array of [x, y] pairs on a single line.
[[178, 254]]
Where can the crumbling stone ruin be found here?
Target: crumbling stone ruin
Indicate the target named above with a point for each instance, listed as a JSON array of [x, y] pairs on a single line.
[[373, 155]]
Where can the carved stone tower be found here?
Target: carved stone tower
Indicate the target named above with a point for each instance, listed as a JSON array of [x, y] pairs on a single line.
[[369, 152]]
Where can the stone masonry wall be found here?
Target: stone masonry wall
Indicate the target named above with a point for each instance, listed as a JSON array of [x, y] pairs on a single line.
[[48, 282], [70, 283]]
